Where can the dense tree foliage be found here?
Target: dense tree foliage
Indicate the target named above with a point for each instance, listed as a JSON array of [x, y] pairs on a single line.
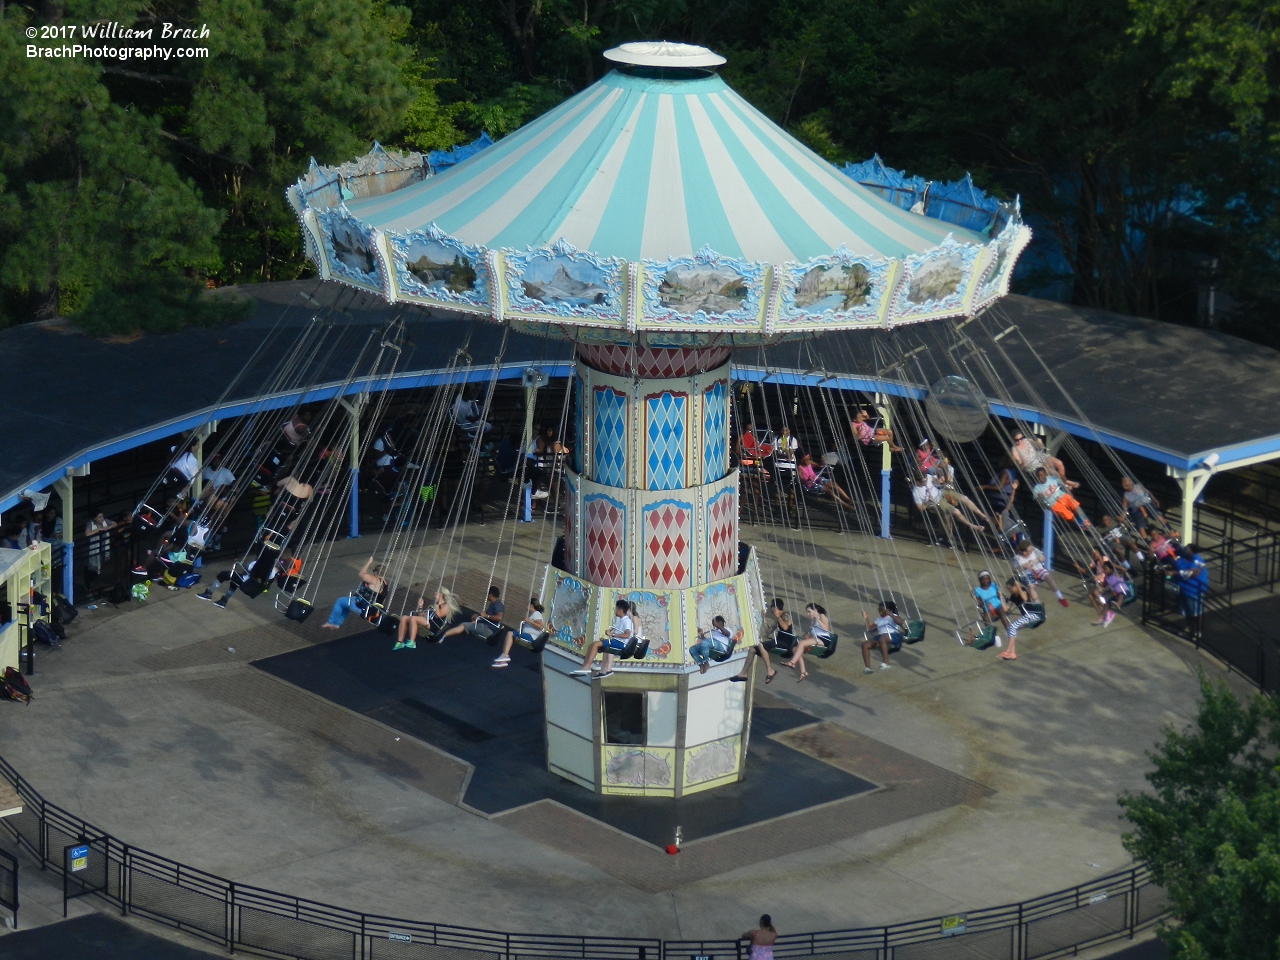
[[1211, 829], [1142, 135]]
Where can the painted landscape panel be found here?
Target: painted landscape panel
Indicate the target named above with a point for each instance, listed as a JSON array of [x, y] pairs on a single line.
[[688, 289]]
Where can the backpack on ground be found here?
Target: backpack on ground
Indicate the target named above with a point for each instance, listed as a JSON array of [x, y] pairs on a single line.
[[118, 594], [42, 632], [17, 681], [64, 610]]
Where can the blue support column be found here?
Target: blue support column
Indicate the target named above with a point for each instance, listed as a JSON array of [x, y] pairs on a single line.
[[884, 503], [355, 501], [68, 571], [1047, 548]]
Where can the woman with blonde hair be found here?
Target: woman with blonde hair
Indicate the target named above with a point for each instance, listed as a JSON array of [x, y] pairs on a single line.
[[444, 608]]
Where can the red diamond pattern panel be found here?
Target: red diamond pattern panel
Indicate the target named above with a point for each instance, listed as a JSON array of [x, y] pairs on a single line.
[[603, 529], [651, 363], [668, 544], [722, 534], [570, 544]]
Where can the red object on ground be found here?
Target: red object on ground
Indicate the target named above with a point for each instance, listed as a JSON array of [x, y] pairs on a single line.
[[672, 849]]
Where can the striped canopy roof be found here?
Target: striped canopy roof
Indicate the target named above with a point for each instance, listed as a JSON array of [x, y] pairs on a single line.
[[656, 202], [641, 168]]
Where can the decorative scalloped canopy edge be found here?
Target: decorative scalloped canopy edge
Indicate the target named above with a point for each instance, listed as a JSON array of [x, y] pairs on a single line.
[[557, 290]]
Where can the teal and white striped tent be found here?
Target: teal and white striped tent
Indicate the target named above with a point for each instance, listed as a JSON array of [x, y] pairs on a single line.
[[656, 201]]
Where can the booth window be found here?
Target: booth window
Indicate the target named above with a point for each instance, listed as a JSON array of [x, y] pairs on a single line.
[[623, 717]]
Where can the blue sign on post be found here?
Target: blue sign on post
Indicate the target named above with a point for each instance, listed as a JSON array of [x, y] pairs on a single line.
[[79, 858]]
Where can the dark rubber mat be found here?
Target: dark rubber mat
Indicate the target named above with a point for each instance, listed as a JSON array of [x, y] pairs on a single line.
[[448, 695], [92, 937]]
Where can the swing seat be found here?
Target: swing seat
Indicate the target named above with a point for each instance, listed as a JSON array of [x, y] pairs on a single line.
[[1035, 610], [721, 657], [782, 641], [536, 644], [147, 517], [823, 650], [298, 610], [251, 587], [615, 646], [895, 640], [984, 638], [915, 631], [642, 649]]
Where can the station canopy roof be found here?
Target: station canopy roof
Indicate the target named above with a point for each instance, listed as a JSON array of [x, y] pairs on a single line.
[[1169, 393], [657, 201]]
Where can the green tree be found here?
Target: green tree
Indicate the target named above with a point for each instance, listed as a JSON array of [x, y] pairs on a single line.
[[1211, 828], [125, 185]]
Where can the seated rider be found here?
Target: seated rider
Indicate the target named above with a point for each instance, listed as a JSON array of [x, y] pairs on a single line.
[[1032, 570], [784, 638], [621, 630], [372, 590], [819, 633], [483, 625], [530, 628], [1051, 495], [263, 568], [887, 624], [410, 623], [751, 452], [1029, 454], [1019, 596], [716, 642], [183, 469], [444, 610], [991, 606], [867, 434], [926, 456], [1142, 507], [817, 483]]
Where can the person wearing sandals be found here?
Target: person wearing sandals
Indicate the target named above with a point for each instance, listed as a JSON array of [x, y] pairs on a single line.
[[530, 629], [819, 633], [762, 939], [783, 621], [887, 624]]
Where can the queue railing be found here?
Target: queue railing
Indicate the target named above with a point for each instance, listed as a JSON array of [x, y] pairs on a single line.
[[248, 919]]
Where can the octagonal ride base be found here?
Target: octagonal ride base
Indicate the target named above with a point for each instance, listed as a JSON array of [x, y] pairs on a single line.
[[651, 518]]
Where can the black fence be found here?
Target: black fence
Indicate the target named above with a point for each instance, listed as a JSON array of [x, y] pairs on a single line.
[[9, 883], [249, 919], [1217, 629]]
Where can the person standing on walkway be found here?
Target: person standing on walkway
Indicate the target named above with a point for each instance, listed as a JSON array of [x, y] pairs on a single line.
[[762, 939]]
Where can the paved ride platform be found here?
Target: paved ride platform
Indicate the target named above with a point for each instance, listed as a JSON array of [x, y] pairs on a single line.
[[447, 695], [994, 781]]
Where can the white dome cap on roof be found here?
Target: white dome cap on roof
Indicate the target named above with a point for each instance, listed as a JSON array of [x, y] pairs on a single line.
[[663, 53]]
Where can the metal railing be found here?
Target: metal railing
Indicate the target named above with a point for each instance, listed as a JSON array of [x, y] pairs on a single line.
[[1217, 630], [9, 883], [249, 919]]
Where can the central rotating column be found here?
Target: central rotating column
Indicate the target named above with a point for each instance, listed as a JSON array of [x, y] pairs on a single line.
[[651, 517]]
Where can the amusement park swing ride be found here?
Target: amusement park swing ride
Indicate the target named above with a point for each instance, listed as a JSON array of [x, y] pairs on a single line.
[[663, 226]]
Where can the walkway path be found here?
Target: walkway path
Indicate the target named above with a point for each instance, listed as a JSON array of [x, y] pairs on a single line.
[[151, 724]]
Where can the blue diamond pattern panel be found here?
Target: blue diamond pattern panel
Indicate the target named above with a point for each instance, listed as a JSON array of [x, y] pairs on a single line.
[[609, 441], [715, 432], [664, 420], [579, 413]]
